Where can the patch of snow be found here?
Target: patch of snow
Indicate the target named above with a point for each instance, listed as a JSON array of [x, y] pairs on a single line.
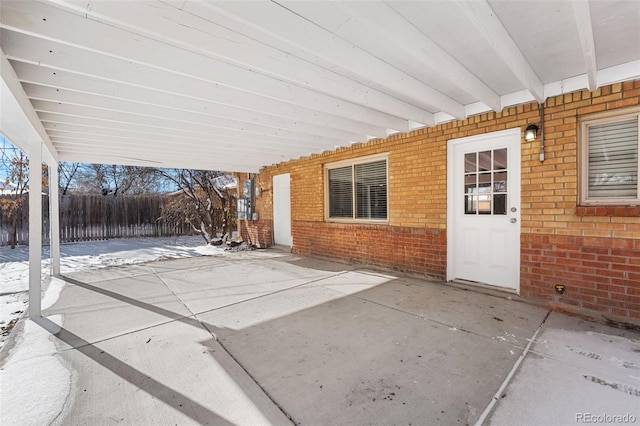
[[53, 293], [14, 265], [34, 369]]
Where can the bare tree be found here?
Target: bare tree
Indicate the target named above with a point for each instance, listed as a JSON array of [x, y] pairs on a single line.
[[115, 180], [205, 200], [67, 173], [16, 167]]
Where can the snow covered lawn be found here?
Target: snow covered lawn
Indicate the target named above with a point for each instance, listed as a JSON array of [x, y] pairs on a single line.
[[14, 265]]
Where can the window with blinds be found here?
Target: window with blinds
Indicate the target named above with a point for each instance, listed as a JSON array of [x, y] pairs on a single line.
[[611, 170], [357, 191]]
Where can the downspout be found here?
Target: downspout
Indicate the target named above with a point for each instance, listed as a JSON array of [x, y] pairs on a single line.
[[541, 132]]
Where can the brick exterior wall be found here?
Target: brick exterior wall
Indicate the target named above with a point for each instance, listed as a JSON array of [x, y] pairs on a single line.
[[397, 247], [594, 251], [258, 232]]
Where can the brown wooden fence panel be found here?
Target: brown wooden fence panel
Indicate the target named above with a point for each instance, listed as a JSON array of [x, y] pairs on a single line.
[[97, 217]]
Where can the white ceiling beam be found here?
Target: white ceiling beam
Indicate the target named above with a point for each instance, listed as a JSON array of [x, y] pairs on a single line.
[[146, 57], [162, 154], [44, 93], [325, 49], [276, 113], [192, 127], [193, 33], [24, 48], [18, 120], [53, 121], [414, 47], [189, 163], [92, 131], [585, 32], [480, 13], [217, 146]]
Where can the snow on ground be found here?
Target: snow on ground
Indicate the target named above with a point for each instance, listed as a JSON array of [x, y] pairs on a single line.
[[14, 265], [34, 370]]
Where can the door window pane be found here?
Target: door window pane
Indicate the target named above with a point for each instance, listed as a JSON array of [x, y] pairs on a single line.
[[500, 159], [485, 182], [484, 161], [500, 204], [470, 163], [499, 181]]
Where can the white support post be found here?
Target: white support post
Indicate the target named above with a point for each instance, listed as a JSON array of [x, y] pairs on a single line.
[[54, 220], [35, 229]]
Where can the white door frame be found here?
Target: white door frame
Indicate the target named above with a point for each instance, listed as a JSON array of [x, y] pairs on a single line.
[[451, 193]]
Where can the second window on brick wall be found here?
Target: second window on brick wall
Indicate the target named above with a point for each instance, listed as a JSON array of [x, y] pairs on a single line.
[[357, 190], [609, 163]]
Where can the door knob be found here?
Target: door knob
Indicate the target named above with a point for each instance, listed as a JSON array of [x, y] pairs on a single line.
[[513, 209], [513, 220]]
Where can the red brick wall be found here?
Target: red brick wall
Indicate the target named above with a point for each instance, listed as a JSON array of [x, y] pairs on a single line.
[[400, 247], [600, 274], [257, 232]]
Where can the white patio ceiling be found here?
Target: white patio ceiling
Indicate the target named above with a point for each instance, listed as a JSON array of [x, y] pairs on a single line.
[[239, 85]]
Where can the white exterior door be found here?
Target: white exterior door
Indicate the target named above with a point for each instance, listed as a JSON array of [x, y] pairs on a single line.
[[483, 209], [282, 210]]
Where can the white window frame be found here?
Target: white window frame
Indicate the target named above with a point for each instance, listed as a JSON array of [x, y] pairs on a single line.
[[353, 162], [583, 163]]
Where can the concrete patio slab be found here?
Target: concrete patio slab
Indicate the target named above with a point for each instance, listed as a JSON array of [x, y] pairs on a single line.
[[576, 372], [267, 337], [502, 317], [175, 373], [351, 361]]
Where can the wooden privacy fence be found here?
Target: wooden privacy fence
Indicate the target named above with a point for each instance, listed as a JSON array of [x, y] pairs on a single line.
[[97, 217]]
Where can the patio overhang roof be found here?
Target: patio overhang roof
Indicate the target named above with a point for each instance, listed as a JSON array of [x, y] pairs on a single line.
[[240, 85]]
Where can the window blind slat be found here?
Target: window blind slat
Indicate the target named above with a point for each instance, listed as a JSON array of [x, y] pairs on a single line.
[[613, 160], [371, 190], [341, 192]]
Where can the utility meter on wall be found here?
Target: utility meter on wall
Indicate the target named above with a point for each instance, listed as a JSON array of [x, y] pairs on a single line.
[[245, 203]]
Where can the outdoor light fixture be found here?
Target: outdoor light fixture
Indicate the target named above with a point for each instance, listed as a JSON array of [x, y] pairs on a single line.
[[531, 133]]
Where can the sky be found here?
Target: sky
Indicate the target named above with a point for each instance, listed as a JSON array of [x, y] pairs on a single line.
[[4, 144]]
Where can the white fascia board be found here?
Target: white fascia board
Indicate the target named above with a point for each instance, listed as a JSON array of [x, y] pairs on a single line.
[[480, 13], [273, 112], [616, 74], [517, 98], [142, 57], [478, 108], [441, 117], [303, 38], [411, 42], [620, 73], [194, 33], [584, 26], [568, 85], [168, 111], [19, 121]]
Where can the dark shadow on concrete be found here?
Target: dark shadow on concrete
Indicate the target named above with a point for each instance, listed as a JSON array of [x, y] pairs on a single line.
[[161, 311], [180, 402]]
